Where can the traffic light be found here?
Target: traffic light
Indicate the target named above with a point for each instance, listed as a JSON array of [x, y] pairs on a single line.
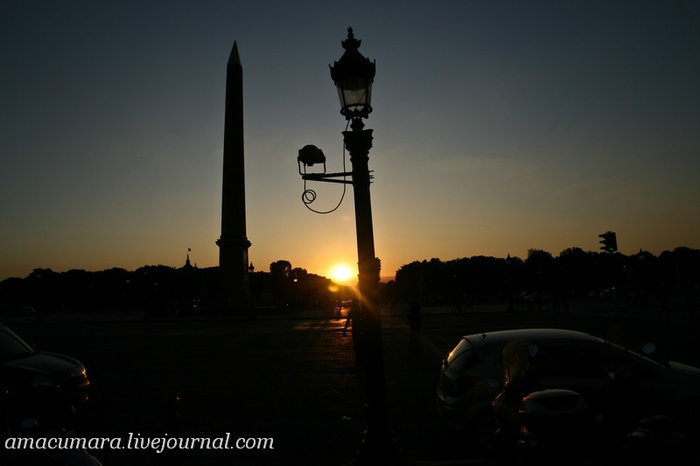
[[609, 241]]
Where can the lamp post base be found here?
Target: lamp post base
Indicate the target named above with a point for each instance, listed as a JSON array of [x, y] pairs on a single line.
[[379, 448]]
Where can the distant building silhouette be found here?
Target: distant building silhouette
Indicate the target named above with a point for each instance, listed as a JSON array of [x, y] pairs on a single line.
[[188, 264]]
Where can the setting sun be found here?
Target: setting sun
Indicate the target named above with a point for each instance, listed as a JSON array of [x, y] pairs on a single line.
[[341, 273]]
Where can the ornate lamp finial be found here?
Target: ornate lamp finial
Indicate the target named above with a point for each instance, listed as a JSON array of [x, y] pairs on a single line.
[[351, 43]]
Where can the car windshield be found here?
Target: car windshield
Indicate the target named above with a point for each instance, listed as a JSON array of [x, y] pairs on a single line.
[[625, 353], [12, 346]]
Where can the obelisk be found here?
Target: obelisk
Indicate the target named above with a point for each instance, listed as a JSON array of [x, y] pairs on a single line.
[[233, 243]]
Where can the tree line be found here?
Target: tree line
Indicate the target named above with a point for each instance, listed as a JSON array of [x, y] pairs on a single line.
[[639, 279], [160, 289]]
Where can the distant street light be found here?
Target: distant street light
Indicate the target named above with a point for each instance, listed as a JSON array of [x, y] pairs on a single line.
[[353, 75]]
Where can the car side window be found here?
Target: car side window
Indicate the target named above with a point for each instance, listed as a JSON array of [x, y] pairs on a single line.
[[618, 359], [589, 360], [573, 360], [622, 359]]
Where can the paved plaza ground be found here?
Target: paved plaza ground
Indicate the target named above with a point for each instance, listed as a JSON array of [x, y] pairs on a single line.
[[292, 378]]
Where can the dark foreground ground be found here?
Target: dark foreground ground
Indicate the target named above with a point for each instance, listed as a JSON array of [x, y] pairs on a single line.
[[293, 379]]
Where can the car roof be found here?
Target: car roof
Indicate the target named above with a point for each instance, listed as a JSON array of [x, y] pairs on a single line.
[[539, 334]]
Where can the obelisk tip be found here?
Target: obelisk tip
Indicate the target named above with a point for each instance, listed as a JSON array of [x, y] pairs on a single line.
[[234, 58]]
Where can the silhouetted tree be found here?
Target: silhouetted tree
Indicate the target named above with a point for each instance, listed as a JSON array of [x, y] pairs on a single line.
[[575, 271], [540, 266], [389, 293], [281, 269], [672, 278]]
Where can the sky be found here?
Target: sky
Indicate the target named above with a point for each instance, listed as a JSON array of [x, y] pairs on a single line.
[[499, 126]]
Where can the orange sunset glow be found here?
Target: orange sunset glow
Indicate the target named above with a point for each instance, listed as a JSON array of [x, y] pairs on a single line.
[[525, 125], [342, 273]]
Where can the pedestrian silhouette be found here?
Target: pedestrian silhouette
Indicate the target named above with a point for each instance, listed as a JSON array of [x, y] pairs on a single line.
[[349, 319], [353, 318]]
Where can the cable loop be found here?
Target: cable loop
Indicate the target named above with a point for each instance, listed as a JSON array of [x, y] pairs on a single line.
[[308, 196]]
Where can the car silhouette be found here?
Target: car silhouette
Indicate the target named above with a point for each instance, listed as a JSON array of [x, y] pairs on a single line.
[[472, 375], [39, 384]]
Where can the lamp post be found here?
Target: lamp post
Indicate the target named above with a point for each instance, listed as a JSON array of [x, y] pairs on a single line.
[[353, 75]]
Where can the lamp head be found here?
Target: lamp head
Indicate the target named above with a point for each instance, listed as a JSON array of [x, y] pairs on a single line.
[[353, 75]]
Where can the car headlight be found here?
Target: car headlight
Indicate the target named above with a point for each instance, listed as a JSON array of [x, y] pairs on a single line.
[[78, 372], [42, 382]]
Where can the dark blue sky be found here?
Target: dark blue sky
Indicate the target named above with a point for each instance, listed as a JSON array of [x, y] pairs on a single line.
[[499, 126]]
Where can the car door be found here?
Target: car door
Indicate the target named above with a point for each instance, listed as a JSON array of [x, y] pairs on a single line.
[[649, 383], [577, 366]]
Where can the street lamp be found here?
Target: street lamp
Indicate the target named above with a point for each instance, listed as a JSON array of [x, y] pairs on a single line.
[[353, 75]]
